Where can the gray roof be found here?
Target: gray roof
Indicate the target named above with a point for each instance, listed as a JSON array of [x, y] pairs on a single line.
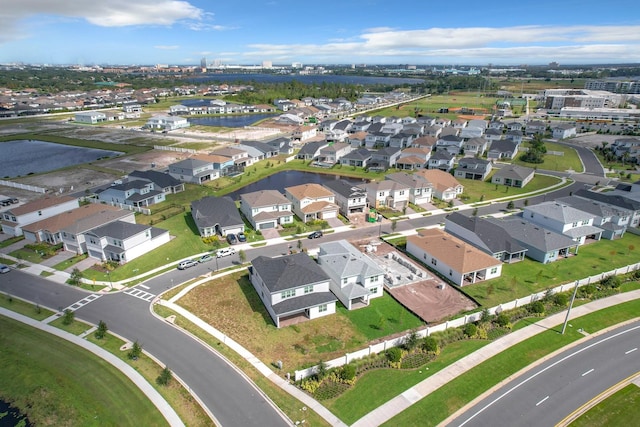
[[473, 163], [264, 198], [190, 164], [593, 207], [533, 235], [610, 198], [312, 147], [294, 305], [288, 272], [137, 197], [359, 154], [413, 181], [494, 238], [97, 220], [119, 230], [161, 179], [514, 172], [503, 146], [558, 211], [345, 188], [340, 259], [211, 211], [441, 155]]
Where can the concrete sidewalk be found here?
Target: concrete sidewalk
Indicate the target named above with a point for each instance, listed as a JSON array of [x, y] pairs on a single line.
[[403, 401], [163, 406]]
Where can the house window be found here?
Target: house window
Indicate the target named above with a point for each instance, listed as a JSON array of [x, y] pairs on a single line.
[[374, 290], [434, 261], [424, 256], [308, 289], [450, 272], [344, 281], [494, 270], [39, 213], [402, 192], [585, 222], [374, 278], [575, 224], [322, 308], [288, 294]]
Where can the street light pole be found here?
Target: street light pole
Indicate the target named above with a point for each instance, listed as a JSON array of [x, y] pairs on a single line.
[[566, 320]]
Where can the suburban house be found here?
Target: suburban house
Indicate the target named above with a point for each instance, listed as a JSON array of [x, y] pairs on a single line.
[[167, 123], [441, 160], [514, 135], [293, 288], [359, 158], [451, 143], [15, 218], [216, 216], [564, 219], [302, 133], [420, 189], [90, 117], [385, 158], [387, 193], [473, 168], [611, 219], [194, 171], [332, 153], [413, 158], [162, 181], [471, 132], [355, 278], [136, 193], [425, 142], [445, 186], [474, 146], [123, 241], [485, 236], [311, 150], [256, 149], [513, 176], [563, 131], [503, 149], [616, 199], [266, 209], [493, 134], [535, 127], [349, 198], [312, 202], [73, 235], [50, 229], [458, 261], [542, 245]]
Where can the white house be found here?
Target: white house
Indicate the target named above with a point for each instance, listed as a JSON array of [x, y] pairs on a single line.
[[167, 123], [266, 209], [122, 241], [15, 218], [564, 219], [387, 193], [90, 117]]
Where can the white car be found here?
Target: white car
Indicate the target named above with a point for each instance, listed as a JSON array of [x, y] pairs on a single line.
[[4, 269], [225, 252]]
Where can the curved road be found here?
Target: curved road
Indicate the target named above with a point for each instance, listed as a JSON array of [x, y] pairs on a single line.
[[544, 396]]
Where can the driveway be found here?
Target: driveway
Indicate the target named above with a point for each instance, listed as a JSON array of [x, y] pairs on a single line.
[[334, 222], [270, 233]]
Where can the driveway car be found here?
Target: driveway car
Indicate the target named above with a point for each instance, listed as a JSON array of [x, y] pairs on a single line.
[[4, 269], [232, 239], [241, 237], [315, 235], [225, 252], [205, 258], [186, 264]]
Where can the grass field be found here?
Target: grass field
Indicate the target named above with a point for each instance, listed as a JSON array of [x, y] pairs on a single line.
[[568, 161], [620, 409], [445, 401], [24, 308], [52, 391], [477, 191]]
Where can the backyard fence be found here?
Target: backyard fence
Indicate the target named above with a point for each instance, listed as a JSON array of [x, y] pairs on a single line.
[[144, 211], [461, 321], [23, 186], [178, 149]]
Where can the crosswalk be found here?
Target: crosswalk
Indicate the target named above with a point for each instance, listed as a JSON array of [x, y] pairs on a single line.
[[139, 293], [84, 301]]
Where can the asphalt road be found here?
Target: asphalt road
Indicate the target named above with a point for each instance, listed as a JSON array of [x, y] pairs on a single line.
[[547, 394]]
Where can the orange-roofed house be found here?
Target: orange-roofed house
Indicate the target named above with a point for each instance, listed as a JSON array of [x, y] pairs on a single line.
[[312, 201], [445, 186], [456, 260]]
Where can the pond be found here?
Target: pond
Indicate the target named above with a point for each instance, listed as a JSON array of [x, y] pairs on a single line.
[[10, 416], [25, 157], [279, 181], [236, 121]]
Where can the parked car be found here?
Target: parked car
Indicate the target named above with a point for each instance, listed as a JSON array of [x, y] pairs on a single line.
[[315, 235], [225, 252], [4, 269], [205, 258], [232, 239], [241, 237], [186, 264]]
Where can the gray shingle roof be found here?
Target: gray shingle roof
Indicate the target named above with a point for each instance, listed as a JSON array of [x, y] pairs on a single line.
[[119, 230], [494, 238], [288, 272], [209, 211], [162, 180], [345, 189], [529, 234], [340, 259]]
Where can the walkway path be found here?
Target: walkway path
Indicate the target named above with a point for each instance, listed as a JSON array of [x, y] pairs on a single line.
[[163, 406]]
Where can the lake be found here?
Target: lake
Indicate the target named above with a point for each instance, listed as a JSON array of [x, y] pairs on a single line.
[[307, 79], [24, 157], [279, 181], [11, 417], [237, 121]]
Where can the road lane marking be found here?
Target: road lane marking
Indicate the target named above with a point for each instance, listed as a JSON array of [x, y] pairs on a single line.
[[143, 286], [542, 401], [631, 351], [588, 372]]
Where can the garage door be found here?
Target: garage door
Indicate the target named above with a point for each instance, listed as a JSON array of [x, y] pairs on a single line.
[[331, 214], [267, 225]]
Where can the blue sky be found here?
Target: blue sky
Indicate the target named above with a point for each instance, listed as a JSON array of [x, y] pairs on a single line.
[[319, 32]]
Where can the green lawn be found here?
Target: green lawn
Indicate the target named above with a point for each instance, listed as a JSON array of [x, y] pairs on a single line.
[[477, 191], [569, 161], [51, 391], [620, 409], [526, 277], [24, 308], [76, 327], [436, 407]]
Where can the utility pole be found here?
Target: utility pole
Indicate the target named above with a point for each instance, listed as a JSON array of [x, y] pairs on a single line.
[[566, 320]]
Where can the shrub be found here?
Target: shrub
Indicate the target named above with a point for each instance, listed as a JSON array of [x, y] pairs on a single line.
[[430, 344], [411, 341], [503, 320], [165, 377], [561, 300], [394, 354], [611, 282], [470, 330], [536, 307], [68, 316], [348, 372], [101, 331], [135, 351]]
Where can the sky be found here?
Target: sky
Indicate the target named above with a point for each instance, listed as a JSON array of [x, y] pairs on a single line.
[[415, 32]]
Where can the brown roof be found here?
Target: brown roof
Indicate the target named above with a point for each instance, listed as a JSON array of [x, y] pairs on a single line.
[[264, 198], [40, 204], [425, 141], [320, 207], [358, 135], [450, 250], [441, 180], [65, 219], [213, 158], [311, 191], [417, 150], [414, 160]]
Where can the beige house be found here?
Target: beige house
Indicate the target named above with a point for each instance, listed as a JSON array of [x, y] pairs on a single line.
[[445, 186], [312, 201]]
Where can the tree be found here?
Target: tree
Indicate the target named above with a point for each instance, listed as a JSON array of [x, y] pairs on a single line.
[[394, 225], [510, 205], [242, 256], [135, 352], [101, 331], [75, 278], [321, 372], [68, 316], [475, 212], [411, 341], [470, 330], [503, 320], [430, 344], [165, 377]]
